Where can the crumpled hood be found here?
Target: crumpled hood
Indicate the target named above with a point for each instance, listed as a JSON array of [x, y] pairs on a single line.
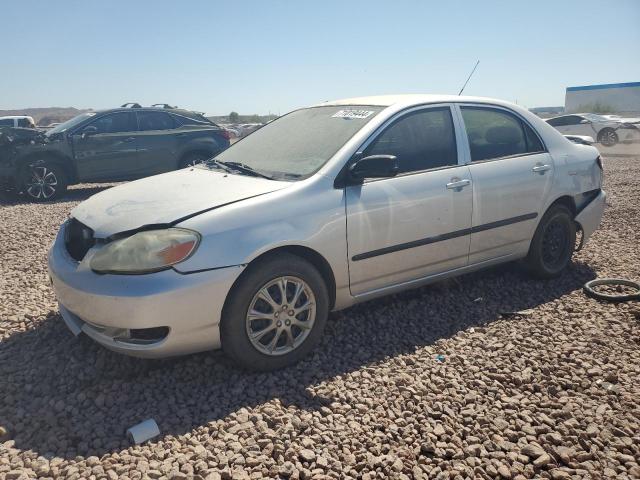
[[163, 199]]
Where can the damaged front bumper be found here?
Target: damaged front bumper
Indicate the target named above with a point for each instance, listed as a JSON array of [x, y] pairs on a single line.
[[154, 315]]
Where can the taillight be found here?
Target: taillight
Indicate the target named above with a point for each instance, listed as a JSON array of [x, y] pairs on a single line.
[[226, 134]]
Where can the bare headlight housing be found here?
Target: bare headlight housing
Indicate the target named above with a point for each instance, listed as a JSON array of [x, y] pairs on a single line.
[[146, 252]]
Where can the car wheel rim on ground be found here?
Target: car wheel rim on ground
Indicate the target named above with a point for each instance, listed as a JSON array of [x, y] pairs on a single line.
[[554, 244], [42, 183], [281, 315]]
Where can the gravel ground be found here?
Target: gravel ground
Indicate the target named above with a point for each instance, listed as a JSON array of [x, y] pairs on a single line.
[[433, 383]]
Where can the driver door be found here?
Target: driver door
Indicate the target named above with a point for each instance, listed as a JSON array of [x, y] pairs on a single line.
[[106, 149], [417, 223]]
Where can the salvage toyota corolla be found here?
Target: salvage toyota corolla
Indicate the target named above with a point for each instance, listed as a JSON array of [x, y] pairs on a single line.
[[323, 208]]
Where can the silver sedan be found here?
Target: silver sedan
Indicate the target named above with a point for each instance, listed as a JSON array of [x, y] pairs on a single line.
[[323, 208]]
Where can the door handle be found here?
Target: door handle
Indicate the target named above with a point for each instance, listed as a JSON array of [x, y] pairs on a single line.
[[130, 139], [457, 184], [540, 168]]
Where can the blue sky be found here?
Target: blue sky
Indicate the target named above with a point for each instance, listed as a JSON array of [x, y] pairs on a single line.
[[273, 56]]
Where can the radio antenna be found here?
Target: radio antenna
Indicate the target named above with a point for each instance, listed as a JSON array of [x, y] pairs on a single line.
[[469, 78]]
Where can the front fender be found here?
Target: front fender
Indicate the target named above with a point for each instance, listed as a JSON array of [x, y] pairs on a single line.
[[238, 233]]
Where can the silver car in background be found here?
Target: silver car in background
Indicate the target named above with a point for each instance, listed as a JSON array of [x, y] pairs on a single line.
[[320, 209]]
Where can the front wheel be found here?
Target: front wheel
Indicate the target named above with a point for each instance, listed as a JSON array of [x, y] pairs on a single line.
[[275, 314], [553, 243], [43, 182], [608, 137]]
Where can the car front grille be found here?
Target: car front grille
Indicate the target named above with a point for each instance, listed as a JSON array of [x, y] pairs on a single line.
[[78, 239]]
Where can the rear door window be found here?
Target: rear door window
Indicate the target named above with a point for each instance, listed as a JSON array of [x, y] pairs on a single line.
[[115, 123], [494, 133], [6, 122], [155, 121], [181, 120], [420, 140]]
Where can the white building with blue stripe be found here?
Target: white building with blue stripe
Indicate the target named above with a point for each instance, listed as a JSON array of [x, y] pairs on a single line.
[[616, 97]]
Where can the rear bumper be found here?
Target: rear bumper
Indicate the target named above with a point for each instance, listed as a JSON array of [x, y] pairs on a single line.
[[590, 216], [108, 307]]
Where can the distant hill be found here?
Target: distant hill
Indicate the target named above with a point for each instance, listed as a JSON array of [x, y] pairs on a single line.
[[46, 116]]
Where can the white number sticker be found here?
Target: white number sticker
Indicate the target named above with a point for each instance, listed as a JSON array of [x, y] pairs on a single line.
[[352, 114]]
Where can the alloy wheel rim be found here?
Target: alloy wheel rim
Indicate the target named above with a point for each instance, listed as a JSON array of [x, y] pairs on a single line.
[[281, 315], [42, 183], [609, 138], [554, 244]]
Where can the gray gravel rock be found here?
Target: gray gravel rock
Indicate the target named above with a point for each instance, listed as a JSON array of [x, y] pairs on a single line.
[[431, 383]]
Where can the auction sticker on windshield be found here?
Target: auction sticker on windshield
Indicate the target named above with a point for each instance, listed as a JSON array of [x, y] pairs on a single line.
[[352, 114]]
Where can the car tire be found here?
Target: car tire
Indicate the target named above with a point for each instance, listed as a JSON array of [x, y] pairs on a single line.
[[283, 332], [553, 243], [608, 137], [192, 159], [43, 182]]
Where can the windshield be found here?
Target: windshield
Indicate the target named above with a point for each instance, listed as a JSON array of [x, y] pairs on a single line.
[[298, 144], [70, 123]]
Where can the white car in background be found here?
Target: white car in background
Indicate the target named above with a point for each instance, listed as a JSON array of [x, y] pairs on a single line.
[[607, 130], [23, 121]]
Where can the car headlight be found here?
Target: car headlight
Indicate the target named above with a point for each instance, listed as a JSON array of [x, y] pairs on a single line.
[[146, 252]]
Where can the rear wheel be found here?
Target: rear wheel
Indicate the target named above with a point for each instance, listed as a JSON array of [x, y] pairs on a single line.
[[553, 243], [275, 314], [608, 137], [43, 182]]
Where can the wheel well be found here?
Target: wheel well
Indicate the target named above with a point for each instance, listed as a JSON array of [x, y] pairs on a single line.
[[64, 163], [568, 202], [315, 259]]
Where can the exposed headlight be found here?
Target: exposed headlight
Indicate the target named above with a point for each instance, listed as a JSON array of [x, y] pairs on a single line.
[[146, 252]]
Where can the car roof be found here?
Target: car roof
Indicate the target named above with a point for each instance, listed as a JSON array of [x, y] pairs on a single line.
[[407, 100], [178, 111], [13, 117]]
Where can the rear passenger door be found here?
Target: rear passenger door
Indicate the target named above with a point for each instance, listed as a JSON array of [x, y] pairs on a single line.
[[512, 174], [416, 224], [158, 145]]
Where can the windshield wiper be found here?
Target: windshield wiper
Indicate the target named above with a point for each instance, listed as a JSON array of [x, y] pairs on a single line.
[[243, 168], [218, 164]]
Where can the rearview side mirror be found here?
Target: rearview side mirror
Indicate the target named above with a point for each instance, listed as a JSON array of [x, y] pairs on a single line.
[[584, 120], [374, 166]]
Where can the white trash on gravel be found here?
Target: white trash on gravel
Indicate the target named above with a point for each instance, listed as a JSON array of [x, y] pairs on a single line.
[[143, 431]]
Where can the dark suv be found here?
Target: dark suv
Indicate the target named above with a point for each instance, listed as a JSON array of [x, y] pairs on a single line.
[[106, 146]]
